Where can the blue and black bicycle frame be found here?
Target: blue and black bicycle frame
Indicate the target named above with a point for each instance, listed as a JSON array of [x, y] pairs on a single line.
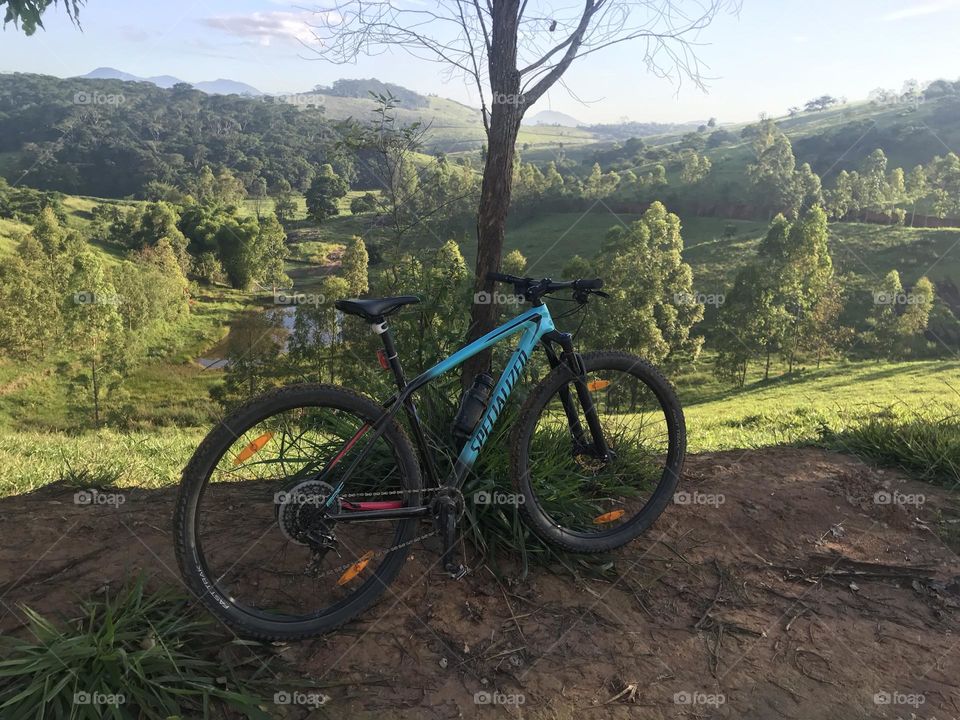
[[535, 326]]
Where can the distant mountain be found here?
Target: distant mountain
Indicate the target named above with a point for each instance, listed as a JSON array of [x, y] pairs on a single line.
[[109, 73], [211, 87], [362, 88], [226, 87], [164, 81], [552, 117]]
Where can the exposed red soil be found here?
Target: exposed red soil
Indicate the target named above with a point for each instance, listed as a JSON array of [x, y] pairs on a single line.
[[797, 597]]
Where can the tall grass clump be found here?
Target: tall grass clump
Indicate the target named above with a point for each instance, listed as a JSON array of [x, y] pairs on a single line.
[[131, 656], [925, 443], [495, 530]]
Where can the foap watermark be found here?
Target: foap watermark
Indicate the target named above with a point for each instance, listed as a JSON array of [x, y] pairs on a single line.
[[497, 298], [84, 97], [282, 297], [298, 498], [485, 497], [886, 497], [895, 697], [501, 98], [695, 697], [485, 697], [99, 699], [911, 97], [699, 298], [295, 697], [88, 297], [884, 297], [297, 99], [92, 496], [698, 498]]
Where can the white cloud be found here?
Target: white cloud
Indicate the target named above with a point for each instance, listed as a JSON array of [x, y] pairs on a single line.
[[265, 27], [918, 10]]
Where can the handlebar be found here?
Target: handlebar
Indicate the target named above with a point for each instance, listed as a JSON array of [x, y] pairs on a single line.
[[533, 289]]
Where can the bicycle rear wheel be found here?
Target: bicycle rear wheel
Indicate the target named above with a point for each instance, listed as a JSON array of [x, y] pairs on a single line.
[[572, 497], [253, 537]]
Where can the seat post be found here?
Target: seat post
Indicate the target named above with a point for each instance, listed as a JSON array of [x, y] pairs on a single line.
[[380, 328]]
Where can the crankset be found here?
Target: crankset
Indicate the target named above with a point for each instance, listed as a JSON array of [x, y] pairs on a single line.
[[447, 509]]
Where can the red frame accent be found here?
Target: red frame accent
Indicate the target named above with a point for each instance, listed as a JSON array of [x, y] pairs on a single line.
[[350, 444], [371, 505]]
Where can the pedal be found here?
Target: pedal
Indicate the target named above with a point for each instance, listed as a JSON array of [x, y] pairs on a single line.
[[458, 572]]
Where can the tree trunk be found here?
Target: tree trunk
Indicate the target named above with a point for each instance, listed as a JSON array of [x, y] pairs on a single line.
[[766, 370], [96, 392], [506, 111]]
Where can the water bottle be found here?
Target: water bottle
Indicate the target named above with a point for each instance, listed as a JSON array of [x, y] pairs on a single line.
[[472, 406]]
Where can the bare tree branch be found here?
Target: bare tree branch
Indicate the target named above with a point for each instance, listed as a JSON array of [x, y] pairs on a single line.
[[667, 31]]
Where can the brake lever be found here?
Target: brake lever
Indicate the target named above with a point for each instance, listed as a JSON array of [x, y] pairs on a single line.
[[583, 296]]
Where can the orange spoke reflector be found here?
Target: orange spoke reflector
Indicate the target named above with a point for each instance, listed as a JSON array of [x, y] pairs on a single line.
[[608, 517], [356, 568], [254, 447], [597, 385]]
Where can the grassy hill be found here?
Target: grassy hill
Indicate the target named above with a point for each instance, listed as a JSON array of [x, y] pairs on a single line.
[[796, 409], [830, 141], [715, 247], [453, 127]]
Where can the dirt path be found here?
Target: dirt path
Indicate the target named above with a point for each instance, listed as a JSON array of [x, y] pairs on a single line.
[[782, 590]]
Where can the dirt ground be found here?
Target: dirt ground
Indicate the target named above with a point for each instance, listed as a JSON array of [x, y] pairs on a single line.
[[784, 587]]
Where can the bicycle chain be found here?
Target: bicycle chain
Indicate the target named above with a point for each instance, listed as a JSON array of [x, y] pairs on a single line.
[[388, 492]]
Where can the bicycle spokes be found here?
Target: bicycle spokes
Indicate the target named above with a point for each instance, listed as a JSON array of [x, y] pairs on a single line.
[[266, 519], [582, 489]]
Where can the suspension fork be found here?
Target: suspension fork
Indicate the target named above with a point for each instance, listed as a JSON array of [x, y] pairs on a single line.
[[574, 363]]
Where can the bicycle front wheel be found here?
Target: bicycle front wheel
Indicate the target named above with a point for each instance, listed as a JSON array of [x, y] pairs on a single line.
[[574, 497]]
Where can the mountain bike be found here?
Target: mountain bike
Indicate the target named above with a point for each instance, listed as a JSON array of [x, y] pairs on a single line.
[[299, 508]]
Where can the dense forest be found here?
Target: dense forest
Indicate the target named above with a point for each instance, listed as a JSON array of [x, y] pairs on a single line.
[[110, 138]]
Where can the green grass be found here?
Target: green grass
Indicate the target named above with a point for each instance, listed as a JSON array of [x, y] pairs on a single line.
[[152, 458], [925, 443], [267, 204], [10, 230], [788, 410], [549, 241]]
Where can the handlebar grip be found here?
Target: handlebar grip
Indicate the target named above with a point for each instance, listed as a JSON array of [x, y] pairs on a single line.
[[594, 284], [501, 277]]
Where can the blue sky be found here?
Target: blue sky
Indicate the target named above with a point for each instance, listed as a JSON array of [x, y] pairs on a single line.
[[775, 54]]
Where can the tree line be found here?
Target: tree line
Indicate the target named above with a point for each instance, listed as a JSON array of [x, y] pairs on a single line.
[[61, 300]]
